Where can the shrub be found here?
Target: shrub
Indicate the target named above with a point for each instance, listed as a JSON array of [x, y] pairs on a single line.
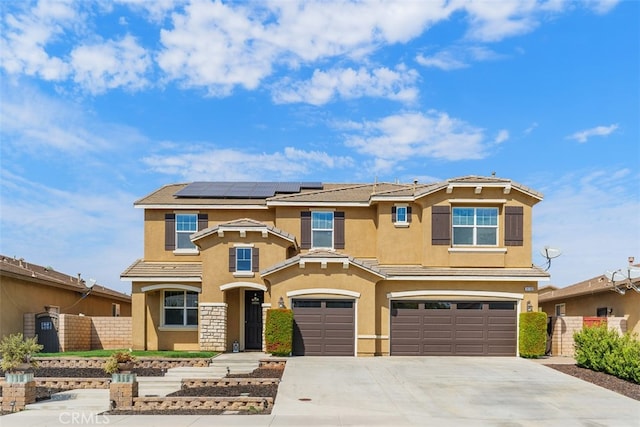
[[118, 360], [533, 334], [602, 349], [279, 332], [15, 350]]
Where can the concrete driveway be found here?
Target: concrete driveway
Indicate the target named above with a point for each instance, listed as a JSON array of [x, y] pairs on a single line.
[[398, 391], [443, 391]]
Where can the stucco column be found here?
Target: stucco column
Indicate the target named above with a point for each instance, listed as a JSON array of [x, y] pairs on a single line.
[[213, 326]]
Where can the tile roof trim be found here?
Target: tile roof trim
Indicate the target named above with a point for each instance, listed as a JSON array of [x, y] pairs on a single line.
[[252, 226], [323, 258]]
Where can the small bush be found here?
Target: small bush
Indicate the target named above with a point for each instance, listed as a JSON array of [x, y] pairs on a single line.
[[602, 349], [533, 334], [279, 332], [16, 350]]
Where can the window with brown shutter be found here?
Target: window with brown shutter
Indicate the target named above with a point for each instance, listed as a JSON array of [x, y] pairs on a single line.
[[441, 225], [338, 230], [305, 229], [513, 226], [169, 231], [232, 259]]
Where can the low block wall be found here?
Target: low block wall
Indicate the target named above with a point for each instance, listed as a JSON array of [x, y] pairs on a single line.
[[74, 332], [98, 362], [562, 343], [190, 402], [226, 382], [110, 332]]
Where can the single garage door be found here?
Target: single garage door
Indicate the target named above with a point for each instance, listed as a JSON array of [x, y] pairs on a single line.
[[323, 327], [453, 328]]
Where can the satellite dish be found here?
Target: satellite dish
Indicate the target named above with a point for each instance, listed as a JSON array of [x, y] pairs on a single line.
[[91, 283], [633, 272], [550, 253]]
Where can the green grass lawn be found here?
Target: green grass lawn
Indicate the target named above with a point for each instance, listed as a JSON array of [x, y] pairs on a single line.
[[138, 353]]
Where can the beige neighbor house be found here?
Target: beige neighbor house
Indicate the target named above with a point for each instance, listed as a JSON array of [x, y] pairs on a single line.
[[595, 297], [32, 297], [368, 269]]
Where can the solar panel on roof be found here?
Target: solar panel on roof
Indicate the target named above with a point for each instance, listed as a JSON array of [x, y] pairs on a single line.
[[244, 190]]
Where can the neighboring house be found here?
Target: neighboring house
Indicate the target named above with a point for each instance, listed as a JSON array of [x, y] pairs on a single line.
[[595, 297], [33, 293], [368, 269]]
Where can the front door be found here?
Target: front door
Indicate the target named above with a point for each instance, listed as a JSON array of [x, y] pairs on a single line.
[[253, 319]]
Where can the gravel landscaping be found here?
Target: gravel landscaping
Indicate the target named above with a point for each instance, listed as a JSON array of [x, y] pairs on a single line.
[[626, 388]]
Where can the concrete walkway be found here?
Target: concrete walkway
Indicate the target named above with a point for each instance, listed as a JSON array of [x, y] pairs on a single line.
[[403, 391]]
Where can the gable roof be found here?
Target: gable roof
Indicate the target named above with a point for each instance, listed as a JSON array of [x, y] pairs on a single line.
[[47, 276], [244, 224]]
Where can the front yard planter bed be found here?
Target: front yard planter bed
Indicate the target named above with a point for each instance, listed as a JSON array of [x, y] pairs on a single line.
[[610, 382]]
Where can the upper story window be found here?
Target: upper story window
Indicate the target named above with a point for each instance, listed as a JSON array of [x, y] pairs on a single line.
[[186, 225], [243, 259], [401, 215], [322, 229], [475, 226], [180, 308]]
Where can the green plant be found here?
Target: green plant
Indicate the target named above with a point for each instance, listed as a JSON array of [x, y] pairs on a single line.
[[602, 349], [533, 334], [279, 332], [117, 359], [16, 351]]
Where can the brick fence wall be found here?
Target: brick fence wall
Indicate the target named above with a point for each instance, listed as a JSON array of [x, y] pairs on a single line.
[[110, 332], [564, 327], [74, 332]]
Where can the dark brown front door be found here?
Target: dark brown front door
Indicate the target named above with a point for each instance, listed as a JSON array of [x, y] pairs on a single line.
[[47, 333], [323, 327], [253, 319], [460, 328]]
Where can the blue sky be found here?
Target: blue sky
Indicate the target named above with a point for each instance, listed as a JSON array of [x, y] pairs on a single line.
[[103, 102]]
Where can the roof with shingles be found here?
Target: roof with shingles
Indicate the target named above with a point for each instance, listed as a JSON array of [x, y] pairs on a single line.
[[143, 269], [359, 193], [590, 286], [316, 255], [245, 223], [19, 268]]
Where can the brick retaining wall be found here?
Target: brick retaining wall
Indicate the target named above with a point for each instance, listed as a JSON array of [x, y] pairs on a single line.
[[98, 362], [189, 402], [226, 382]]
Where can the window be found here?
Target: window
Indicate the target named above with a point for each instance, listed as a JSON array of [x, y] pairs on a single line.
[[560, 309], [322, 229], [186, 225], [115, 310], [180, 308], [469, 306], [437, 305], [401, 215], [243, 259], [475, 226]]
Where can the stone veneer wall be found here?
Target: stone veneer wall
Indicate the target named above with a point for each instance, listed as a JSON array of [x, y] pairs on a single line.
[[110, 332], [562, 343], [213, 327], [74, 332], [265, 307]]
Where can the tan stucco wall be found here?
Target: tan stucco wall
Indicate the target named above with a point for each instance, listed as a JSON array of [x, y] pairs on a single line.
[[627, 305], [19, 296]]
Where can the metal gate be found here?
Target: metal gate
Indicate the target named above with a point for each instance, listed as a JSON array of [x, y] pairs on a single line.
[[47, 332]]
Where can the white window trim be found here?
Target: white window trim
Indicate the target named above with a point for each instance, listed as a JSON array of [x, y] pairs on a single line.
[[404, 223], [185, 251], [333, 228], [193, 251], [163, 326], [475, 227], [564, 309]]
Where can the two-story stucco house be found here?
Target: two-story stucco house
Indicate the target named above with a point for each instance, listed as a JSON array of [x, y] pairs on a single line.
[[368, 269]]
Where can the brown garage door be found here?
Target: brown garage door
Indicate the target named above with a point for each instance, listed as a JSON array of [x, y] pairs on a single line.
[[460, 328], [323, 327]]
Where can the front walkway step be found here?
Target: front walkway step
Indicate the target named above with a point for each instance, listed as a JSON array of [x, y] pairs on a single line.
[[89, 400]]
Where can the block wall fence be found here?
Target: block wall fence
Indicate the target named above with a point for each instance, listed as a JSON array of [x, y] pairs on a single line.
[[564, 327]]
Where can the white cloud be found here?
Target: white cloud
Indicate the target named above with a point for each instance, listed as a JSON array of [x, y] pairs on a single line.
[[25, 36], [95, 233], [30, 121], [601, 6], [531, 128], [109, 65], [592, 216], [457, 57], [241, 165], [502, 136], [584, 135], [347, 83], [409, 135]]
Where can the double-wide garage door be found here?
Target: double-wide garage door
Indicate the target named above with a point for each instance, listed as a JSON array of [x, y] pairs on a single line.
[[460, 328], [323, 327]]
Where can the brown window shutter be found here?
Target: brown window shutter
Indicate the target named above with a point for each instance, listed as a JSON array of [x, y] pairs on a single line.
[[513, 226], [408, 213], [203, 221], [441, 225], [255, 259], [338, 230], [169, 232], [394, 217], [232, 259], [305, 230]]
